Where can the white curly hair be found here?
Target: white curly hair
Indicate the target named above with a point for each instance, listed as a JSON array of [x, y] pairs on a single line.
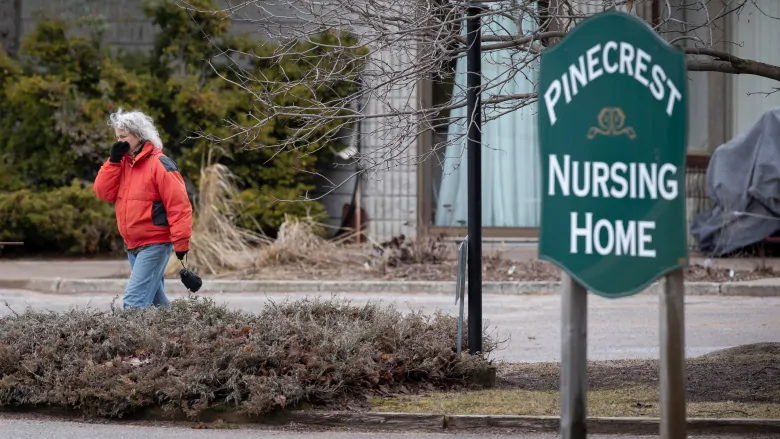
[[137, 124]]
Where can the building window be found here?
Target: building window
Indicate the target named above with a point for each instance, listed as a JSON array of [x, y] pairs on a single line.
[[510, 159]]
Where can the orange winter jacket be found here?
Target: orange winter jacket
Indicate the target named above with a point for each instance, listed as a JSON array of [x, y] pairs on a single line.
[[152, 206]]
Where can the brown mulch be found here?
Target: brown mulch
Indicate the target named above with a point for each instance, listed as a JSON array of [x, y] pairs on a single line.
[[749, 373], [495, 270]]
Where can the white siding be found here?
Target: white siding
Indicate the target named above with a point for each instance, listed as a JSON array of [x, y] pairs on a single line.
[[755, 34], [388, 144], [390, 190]]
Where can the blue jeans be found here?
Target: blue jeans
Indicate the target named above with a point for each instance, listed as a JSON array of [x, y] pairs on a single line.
[[146, 285]]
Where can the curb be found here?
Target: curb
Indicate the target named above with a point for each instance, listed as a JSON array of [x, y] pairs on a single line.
[[435, 423], [644, 426], [117, 286]]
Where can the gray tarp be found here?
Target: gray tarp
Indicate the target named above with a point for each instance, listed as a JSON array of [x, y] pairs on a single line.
[[743, 179]]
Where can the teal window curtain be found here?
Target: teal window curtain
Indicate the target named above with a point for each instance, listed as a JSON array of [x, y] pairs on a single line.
[[510, 162]]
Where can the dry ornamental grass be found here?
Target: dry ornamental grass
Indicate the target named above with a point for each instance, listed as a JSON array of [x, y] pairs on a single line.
[[217, 244], [195, 354], [297, 243]]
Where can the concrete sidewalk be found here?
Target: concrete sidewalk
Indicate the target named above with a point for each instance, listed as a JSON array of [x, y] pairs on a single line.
[[73, 268], [117, 268], [110, 276], [82, 268], [762, 288]]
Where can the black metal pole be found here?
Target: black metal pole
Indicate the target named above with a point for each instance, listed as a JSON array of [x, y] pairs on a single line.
[[474, 156]]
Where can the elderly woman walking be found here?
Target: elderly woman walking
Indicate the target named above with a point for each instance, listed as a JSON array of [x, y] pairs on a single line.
[[153, 211]]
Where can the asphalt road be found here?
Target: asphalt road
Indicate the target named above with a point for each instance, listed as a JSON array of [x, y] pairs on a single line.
[[617, 329], [13, 427]]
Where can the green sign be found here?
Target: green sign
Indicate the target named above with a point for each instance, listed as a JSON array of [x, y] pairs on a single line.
[[612, 136]]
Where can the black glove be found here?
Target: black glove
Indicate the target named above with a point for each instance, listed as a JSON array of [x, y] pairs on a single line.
[[181, 255], [118, 151]]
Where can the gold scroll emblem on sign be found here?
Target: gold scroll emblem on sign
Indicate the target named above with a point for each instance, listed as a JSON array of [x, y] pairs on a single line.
[[612, 122]]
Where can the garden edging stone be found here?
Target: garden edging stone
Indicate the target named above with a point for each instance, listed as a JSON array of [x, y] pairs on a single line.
[[116, 286], [604, 425]]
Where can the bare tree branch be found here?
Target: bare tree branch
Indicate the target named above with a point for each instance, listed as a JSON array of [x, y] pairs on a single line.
[[727, 63], [405, 43]]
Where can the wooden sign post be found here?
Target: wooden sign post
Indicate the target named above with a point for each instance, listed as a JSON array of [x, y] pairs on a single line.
[[612, 138]]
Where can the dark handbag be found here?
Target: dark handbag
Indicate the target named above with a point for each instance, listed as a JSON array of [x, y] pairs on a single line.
[[191, 281]]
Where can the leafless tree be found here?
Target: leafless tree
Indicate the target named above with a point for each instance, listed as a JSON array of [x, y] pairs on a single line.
[[411, 41]]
